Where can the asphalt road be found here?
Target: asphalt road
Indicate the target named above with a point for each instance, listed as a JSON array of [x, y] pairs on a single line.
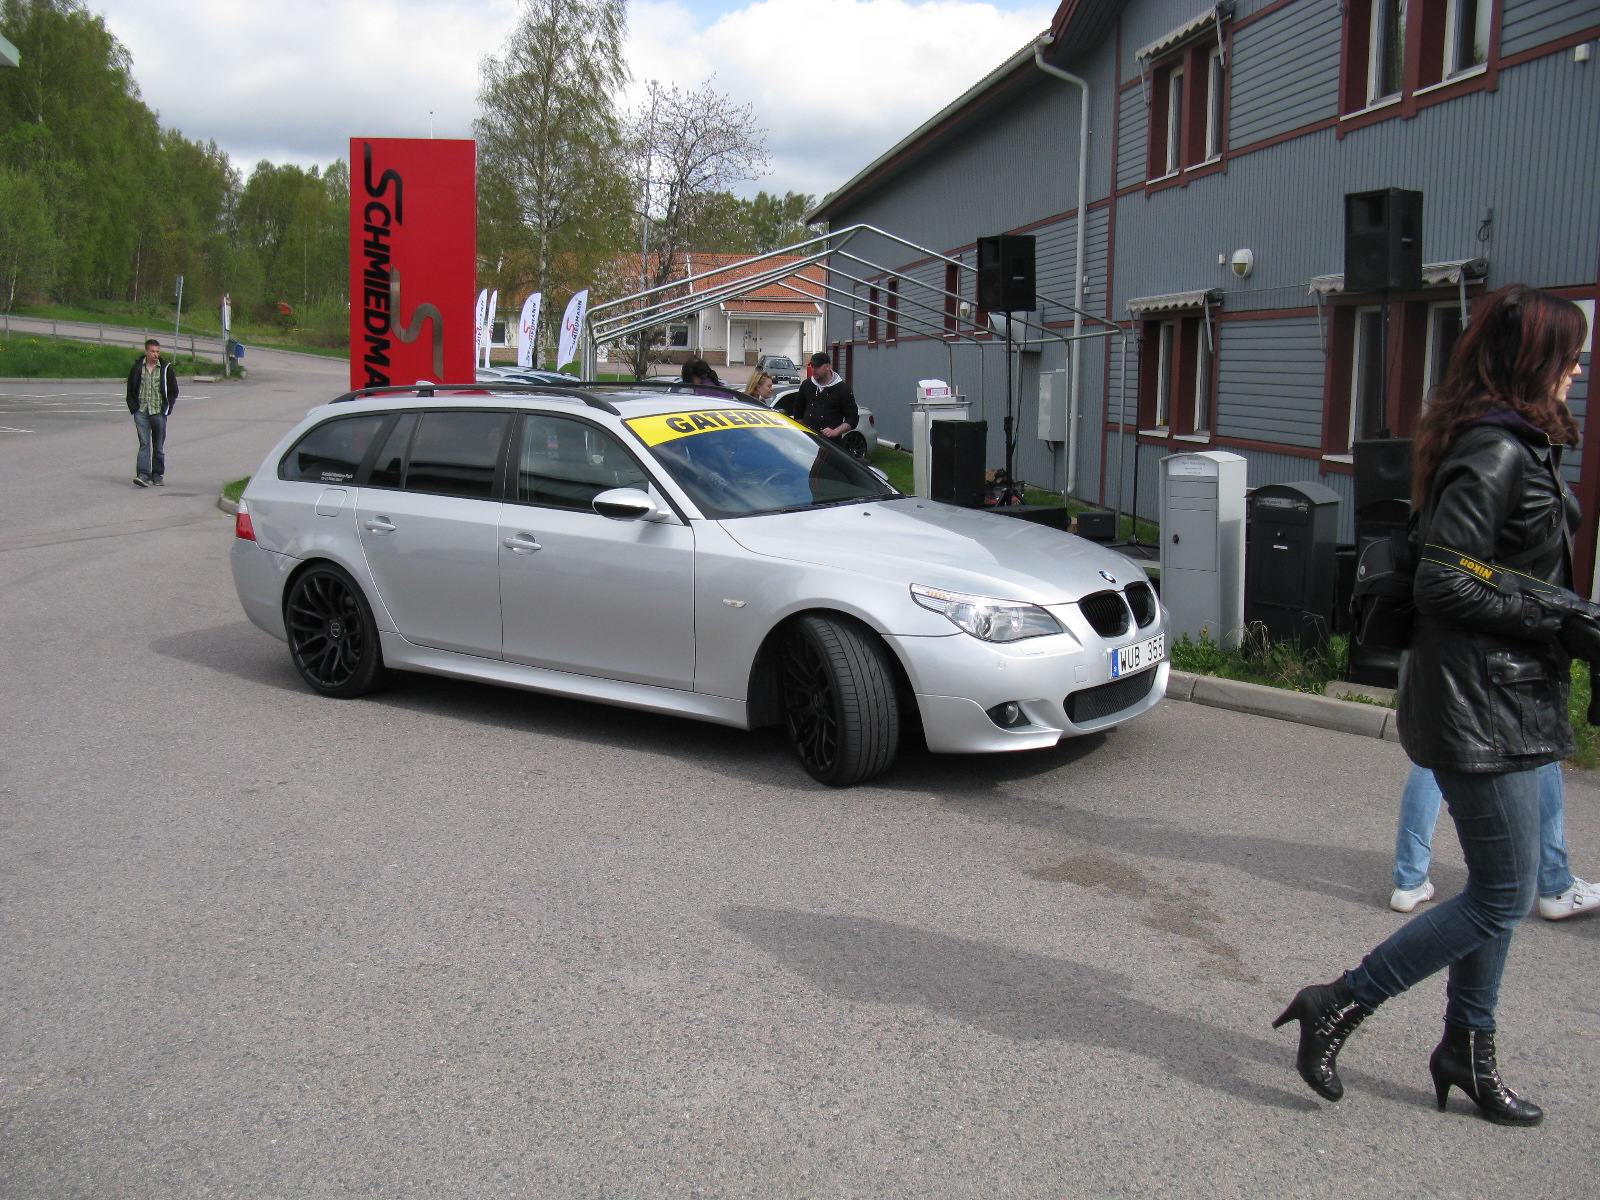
[[120, 335], [454, 941]]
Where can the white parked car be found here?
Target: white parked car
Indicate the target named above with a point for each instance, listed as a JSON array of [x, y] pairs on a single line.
[[664, 549]]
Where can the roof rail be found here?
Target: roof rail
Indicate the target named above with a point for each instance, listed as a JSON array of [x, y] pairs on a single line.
[[733, 393], [426, 389]]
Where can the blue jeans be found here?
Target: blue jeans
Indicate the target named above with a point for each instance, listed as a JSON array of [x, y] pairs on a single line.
[[1419, 813], [1497, 820], [152, 461]]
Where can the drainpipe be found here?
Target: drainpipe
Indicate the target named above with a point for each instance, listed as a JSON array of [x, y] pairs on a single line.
[[1077, 283]]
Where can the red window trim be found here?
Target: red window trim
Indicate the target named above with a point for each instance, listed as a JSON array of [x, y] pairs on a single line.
[[1421, 86], [1195, 60]]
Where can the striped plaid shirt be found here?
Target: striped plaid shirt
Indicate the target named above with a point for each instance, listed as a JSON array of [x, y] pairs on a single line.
[[150, 398]]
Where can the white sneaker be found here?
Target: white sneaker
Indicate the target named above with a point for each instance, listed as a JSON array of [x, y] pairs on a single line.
[[1405, 899], [1581, 897]]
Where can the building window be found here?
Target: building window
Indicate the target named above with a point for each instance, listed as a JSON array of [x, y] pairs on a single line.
[[1166, 348], [1444, 331], [1367, 369], [892, 312], [678, 337], [1395, 48], [872, 314], [1386, 50], [1175, 391], [1214, 110], [1202, 381], [952, 299], [1188, 114]]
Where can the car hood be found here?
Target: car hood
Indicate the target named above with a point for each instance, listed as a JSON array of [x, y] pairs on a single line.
[[921, 541]]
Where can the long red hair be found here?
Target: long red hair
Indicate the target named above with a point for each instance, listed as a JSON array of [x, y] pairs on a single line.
[[1520, 343]]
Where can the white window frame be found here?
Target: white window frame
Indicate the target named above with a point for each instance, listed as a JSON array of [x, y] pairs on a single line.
[[1216, 80], [1166, 355], [1175, 98], [1358, 352], [1377, 45], [1483, 21]]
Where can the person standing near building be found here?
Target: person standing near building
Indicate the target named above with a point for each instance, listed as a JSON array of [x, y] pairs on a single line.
[[152, 391], [1483, 692], [825, 402]]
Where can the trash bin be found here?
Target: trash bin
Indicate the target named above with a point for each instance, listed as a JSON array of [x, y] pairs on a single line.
[[1291, 573]]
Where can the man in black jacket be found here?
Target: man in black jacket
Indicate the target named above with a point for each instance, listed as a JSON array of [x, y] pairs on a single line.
[[152, 391], [825, 402]]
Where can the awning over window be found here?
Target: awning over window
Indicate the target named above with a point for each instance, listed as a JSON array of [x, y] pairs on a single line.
[[1172, 301], [1214, 15], [1440, 274]]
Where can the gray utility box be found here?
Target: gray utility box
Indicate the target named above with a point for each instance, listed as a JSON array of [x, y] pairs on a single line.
[[1290, 570], [1202, 544]]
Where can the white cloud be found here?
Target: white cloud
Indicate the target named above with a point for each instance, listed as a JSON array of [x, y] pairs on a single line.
[[834, 82]]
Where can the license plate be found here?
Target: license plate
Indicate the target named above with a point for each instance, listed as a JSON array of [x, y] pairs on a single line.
[[1126, 660]]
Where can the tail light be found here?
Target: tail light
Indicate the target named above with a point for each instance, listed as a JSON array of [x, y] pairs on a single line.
[[871, 420], [242, 527]]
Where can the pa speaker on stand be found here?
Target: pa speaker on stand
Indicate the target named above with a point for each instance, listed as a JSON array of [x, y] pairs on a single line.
[[1383, 507], [1006, 273]]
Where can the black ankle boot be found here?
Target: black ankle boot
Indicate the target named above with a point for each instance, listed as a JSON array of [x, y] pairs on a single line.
[[1465, 1059], [1328, 1015]]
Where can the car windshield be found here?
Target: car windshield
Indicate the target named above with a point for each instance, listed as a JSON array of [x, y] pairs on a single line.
[[780, 364], [744, 461]]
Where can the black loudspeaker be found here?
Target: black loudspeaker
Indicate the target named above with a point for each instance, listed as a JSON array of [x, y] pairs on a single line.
[[1382, 240], [1006, 273], [1383, 471], [955, 467]]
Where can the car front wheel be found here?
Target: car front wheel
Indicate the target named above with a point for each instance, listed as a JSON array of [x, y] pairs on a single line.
[[333, 639], [840, 708]]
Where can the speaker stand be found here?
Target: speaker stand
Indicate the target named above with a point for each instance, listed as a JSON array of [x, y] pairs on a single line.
[[1011, 493]]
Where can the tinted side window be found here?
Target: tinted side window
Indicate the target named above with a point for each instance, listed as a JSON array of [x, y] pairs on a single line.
[[457, 454], [566, 464], [332, 452], [389, 467]]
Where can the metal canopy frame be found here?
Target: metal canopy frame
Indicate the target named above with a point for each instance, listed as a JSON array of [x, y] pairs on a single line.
[[652, 307]]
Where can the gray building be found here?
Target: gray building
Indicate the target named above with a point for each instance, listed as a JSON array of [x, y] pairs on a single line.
[[1220, 144]]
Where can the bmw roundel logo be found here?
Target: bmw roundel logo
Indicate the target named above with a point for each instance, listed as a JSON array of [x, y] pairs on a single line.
[[1108, 576]]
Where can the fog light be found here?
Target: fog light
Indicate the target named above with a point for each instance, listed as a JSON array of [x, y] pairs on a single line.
[[1008, 715]]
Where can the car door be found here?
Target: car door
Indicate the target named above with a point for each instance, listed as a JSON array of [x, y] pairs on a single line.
[[429, 523], [585, 593]]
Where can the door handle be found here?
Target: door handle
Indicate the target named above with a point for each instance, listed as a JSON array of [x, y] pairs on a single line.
[[380, 525], [521, 543]]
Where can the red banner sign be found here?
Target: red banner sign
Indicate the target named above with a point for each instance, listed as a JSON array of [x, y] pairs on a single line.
[[413, 260]]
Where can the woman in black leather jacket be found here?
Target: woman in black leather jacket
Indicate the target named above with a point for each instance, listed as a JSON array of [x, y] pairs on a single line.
[[1483, 688]]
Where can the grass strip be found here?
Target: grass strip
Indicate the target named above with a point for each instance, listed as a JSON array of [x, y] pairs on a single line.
[[34, 357]]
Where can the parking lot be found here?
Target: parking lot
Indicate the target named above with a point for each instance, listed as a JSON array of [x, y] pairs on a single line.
[[461, 941]]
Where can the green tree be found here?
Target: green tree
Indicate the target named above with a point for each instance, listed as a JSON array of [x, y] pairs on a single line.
[[29, 248], [553, 197]]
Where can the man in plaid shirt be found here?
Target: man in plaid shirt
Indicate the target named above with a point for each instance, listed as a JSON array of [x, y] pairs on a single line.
[[152, 391]]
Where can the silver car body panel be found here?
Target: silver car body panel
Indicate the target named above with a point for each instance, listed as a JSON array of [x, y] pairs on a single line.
[[669, 614]]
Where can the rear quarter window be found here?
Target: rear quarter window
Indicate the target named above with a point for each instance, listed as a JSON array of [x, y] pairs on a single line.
[[332, 452]]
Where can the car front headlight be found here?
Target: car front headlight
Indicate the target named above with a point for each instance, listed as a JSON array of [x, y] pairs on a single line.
[[986, 618]]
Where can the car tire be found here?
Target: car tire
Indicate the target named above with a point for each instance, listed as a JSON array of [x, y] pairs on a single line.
[[839, 703], [856, 443], [333, 640]]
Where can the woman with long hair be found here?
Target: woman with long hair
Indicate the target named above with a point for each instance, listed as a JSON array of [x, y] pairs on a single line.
[[1483, 688], [759, 386]]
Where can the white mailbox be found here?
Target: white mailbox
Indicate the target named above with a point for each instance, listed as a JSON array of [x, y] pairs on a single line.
[[1202, 544], [936, 401]]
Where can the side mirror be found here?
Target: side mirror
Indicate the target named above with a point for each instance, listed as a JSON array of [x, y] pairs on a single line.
[[883, 475], [624, 504]]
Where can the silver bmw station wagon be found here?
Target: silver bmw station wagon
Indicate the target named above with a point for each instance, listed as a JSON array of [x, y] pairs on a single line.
[[682, 551]]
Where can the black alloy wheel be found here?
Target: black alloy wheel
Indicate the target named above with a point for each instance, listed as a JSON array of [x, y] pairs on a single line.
[[839, 703], [333, 639], [856, 443]]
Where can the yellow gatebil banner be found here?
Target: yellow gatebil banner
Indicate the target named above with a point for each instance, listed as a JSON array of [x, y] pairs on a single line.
[[671, 426]]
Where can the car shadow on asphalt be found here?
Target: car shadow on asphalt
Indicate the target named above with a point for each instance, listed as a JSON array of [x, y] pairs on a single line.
[[238, 649], [1028, 997]]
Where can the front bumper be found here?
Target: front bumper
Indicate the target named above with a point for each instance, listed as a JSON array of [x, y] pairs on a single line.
[[1063, 685]]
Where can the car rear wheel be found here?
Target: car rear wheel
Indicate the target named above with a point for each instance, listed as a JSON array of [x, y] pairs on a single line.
[[839, 702], [856, 442], [333, 639]]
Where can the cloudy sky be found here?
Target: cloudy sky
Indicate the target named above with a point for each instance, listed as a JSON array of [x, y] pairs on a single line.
[[835, 83]]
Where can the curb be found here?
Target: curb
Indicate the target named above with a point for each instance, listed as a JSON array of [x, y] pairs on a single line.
[[1302, 708], [231, 507]]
